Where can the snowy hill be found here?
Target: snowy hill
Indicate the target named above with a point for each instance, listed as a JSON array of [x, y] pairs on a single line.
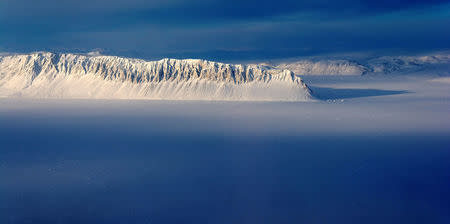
[[435, 64], [49, 75], [410, 64], [324, 67]]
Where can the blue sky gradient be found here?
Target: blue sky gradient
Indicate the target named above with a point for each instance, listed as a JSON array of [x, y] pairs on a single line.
[[225, 30]]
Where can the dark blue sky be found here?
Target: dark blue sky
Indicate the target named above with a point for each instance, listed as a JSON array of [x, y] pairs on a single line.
[[225, 30]]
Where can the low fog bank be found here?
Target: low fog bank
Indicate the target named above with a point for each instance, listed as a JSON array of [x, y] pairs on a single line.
[[347, 106], [224, 118]]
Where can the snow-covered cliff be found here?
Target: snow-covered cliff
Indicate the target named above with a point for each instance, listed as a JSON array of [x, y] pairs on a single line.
[[50, 75]]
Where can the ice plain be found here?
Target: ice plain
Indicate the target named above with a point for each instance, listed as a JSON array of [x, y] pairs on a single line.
[[372, 149]]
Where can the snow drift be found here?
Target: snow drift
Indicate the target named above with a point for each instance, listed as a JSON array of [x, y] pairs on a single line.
[[49, 75]]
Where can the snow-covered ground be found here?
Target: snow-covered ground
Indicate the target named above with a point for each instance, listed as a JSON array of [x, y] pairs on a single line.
[[372, 149]]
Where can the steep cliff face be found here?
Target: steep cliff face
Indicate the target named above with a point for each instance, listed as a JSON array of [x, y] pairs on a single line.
[[83, 76]]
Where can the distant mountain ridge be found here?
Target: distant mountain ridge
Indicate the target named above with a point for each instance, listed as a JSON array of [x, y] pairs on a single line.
[[53, 75], [439, 63]]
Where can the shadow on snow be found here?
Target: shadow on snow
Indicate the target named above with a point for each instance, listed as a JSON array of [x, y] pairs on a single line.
[[325, 93]]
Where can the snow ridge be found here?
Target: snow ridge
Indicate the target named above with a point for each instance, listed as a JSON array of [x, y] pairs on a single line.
[[49, 75]]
